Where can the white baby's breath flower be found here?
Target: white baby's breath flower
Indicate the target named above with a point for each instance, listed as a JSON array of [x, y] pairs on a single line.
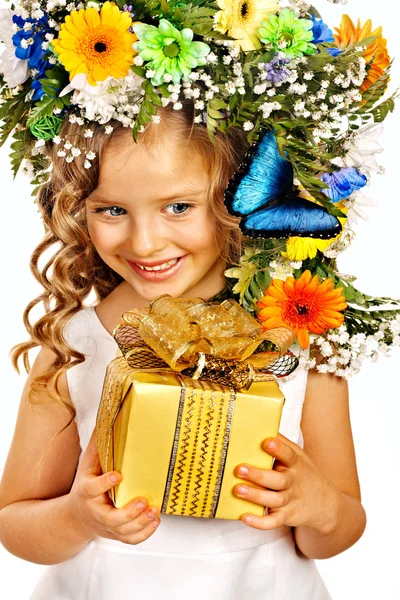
[[177, 106], [260, 89], [91, 155], [248, 125], [108, 129], [326, 349]]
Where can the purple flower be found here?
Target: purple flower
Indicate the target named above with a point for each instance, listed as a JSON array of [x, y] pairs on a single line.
[[276, 71], [343, 183]]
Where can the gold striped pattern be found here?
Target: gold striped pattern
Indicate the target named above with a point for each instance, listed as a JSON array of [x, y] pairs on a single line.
[[199, 452]]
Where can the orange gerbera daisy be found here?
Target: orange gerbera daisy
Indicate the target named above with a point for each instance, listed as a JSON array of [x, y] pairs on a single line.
[[302, 305], [376, 54]]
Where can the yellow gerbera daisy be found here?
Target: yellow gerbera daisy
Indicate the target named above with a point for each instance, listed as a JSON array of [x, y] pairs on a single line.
[[242, 19], [98, 44]]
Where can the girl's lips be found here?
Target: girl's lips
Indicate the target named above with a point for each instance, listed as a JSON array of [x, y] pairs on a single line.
[[159, 275]]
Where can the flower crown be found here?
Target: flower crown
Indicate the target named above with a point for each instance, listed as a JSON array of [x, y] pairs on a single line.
[[310, 100]]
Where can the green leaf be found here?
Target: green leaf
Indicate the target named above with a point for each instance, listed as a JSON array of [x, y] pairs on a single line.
[[43, 109], [138, 70]]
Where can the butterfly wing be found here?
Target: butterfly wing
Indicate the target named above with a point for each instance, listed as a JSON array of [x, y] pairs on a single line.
[[263, 176], [291, 216]]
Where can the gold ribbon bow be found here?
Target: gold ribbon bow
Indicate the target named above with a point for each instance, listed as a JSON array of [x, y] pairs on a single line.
[[212, 341]]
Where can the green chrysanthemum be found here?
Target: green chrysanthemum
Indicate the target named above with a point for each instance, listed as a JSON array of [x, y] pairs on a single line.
[[168, 50], [288, 34]]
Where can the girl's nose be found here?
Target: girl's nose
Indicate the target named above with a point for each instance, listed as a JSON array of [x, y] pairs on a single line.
[[146, 239]]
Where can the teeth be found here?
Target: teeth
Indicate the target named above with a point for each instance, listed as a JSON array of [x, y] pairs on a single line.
[[161, 267]]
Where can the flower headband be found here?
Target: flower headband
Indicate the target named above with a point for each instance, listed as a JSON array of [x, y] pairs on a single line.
[[311, 102]]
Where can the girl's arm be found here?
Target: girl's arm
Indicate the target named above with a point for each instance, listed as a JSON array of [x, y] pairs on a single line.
[[49, 509], [328, 441], [36, 523]]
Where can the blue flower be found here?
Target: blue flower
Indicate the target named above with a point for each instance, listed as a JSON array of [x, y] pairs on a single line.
[[334, 51], [343, 183], [28, 46], [321, 31]]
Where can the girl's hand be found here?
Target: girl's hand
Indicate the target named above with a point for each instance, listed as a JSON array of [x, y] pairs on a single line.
[[92, 508], [297, 493]]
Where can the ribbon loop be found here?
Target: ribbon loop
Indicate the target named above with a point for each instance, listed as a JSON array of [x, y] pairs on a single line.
[[217, 342]]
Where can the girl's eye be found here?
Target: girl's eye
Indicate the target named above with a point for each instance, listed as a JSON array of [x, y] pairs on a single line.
[[178, 208], [104, 210]]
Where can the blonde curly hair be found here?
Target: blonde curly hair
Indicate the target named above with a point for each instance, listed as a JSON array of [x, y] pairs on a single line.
[[75, 268]]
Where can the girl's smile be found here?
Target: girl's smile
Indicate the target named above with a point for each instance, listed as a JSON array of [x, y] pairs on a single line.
[[150, 220], [157, 270]]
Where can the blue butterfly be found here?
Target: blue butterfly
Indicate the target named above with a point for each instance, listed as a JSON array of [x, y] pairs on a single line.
[[262, 188]]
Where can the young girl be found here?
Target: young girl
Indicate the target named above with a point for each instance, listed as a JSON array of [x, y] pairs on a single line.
[[153, 222]]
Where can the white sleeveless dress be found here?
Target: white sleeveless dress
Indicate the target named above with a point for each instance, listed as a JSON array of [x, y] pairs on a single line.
[[186, 557]]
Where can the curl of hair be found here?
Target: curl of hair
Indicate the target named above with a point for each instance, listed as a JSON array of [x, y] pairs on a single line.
[[75, 268]]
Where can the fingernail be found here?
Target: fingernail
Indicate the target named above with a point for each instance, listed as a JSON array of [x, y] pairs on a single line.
[[155, 524], [243, 489], [113, 478], [248, 519], [243, 471], [271, 445], [140, 505]]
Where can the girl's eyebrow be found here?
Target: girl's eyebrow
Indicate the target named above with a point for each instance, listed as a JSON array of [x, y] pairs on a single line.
[[97, 199]]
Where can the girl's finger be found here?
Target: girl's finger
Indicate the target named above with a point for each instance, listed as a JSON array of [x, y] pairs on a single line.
[[90, 460], [263, 497], [116, 517], [146, 517], [142, 535], [266, 478], [92, 487], [272, 521], [286, 454]]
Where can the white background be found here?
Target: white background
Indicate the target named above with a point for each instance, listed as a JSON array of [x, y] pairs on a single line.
[[370, 568]]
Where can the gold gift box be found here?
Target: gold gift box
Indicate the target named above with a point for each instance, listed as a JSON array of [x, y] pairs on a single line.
[[171, 417], [177, 442]]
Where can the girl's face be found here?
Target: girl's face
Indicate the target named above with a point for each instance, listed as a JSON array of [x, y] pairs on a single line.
[[149, 219]]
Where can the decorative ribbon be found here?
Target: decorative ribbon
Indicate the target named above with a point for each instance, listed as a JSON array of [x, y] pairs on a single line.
[[208, 341]]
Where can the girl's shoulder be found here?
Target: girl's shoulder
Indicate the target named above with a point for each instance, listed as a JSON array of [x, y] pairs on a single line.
[[84, 330]]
